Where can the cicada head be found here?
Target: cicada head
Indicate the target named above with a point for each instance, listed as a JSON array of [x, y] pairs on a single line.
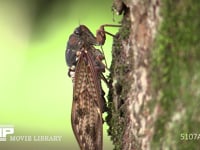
[[74, 45], [80, 38]]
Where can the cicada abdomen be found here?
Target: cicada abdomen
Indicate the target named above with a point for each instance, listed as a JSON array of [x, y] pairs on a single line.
[[87, 104]]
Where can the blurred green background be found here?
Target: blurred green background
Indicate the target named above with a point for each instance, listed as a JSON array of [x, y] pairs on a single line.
[[35, 91]]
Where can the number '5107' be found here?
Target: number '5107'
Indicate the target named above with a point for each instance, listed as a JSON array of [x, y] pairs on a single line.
[[190, 136]]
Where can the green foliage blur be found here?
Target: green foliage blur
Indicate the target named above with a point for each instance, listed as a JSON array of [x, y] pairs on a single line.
[[176, 76], [36, 93]]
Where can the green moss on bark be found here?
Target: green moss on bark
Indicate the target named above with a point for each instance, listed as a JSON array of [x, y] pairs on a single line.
[[119, 68], [175, 61]]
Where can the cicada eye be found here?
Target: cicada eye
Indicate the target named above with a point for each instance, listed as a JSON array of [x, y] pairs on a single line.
[[77, 31]]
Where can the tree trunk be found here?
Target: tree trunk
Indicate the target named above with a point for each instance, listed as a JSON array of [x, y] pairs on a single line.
[[130, 119], [154, 98]]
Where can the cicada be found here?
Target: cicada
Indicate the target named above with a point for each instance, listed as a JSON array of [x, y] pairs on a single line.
[[86, 67]]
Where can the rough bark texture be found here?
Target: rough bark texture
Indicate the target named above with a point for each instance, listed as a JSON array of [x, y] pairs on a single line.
[[130, 118], [154, 99]]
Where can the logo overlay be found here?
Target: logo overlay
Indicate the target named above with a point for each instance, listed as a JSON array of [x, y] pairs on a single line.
[[7, 131], [4, 131]]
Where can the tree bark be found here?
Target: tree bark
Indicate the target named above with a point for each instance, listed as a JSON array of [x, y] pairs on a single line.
[[130, 118], [154, 99]]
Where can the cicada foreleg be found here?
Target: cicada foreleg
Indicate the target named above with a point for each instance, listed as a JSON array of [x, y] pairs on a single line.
[[101, 33]]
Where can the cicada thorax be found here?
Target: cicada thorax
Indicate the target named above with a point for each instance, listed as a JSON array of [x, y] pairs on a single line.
[[89, 37], [83, 37]]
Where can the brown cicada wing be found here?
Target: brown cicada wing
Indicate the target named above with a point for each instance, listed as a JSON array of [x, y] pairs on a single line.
[[87, 107]]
